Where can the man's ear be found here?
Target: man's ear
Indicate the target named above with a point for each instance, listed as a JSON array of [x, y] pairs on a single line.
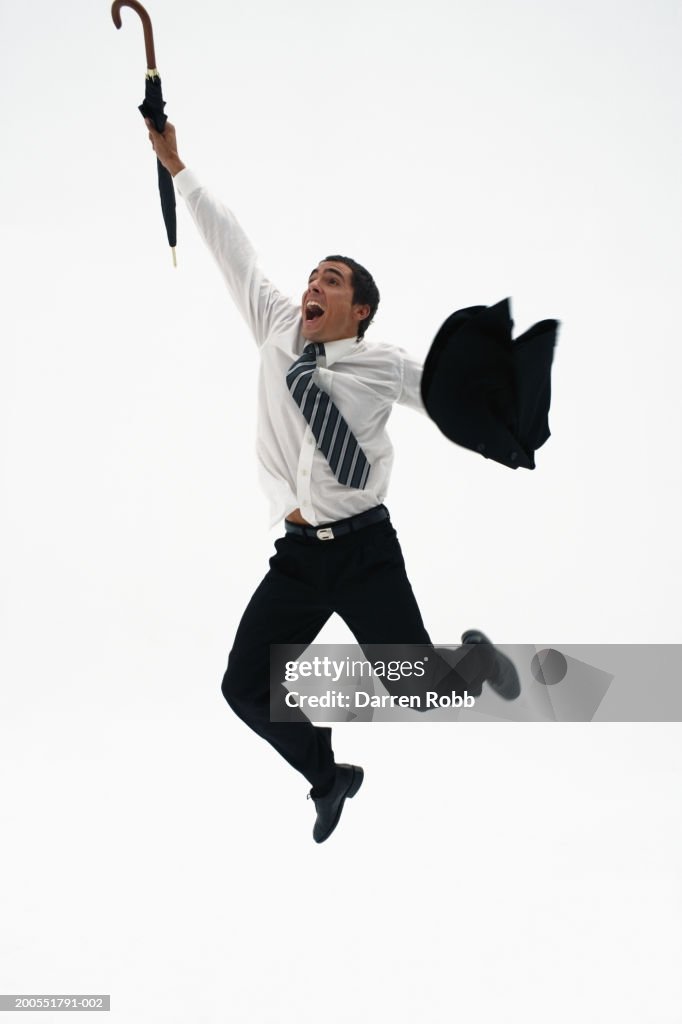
[[361, 312]]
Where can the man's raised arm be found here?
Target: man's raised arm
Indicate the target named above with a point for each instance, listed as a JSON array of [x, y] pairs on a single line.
[[260, 303]]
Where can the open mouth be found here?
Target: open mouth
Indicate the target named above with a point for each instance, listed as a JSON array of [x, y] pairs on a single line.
[[313, 311]]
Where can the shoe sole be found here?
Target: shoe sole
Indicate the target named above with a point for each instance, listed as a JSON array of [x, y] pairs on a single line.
[[356, 782], [508, 686]]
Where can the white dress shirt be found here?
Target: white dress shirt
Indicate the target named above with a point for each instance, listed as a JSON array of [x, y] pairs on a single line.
[[362, 378]]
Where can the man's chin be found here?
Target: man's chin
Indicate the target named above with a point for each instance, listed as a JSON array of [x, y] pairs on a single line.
[[312, 333]]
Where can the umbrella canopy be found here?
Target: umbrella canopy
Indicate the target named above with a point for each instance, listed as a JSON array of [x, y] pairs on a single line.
[[152, 108], [486, 391]]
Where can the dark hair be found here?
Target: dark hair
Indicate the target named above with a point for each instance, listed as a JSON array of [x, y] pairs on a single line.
[[365, 291]]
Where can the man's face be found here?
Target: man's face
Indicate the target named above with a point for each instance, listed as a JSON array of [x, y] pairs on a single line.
[[327, 307]]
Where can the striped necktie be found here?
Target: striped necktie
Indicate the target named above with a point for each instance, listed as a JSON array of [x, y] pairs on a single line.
[[334, 437]]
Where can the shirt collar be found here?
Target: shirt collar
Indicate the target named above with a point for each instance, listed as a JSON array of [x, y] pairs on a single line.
[[334, 350]]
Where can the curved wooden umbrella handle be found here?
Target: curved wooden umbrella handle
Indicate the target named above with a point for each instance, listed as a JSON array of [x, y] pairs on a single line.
[[146, 24]]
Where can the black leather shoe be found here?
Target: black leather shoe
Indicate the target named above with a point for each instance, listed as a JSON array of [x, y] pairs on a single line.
[[503, 678], [348, 781]]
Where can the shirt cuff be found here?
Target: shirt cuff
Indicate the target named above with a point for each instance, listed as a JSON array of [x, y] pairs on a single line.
[[186, 182]]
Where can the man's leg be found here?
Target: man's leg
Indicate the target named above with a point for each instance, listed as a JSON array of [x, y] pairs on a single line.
[[375, 598], [286, 608]]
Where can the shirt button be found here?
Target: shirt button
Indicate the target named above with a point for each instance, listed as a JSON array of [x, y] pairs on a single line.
[[311, 440], [304, 472]]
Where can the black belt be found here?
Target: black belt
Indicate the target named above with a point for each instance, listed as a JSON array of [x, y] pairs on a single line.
[[329, 531]]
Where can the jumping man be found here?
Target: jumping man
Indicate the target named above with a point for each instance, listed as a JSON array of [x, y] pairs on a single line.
[[325, 395]]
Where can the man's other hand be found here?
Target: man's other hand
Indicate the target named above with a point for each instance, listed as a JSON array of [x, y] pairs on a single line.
[[165, 146]]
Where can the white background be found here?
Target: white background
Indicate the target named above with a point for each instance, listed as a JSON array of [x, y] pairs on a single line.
[[152, 847]]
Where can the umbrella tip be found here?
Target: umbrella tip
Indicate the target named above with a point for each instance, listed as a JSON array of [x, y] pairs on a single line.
[[175, 261]]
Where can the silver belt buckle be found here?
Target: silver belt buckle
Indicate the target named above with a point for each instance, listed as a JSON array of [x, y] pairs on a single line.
[[325, 534]]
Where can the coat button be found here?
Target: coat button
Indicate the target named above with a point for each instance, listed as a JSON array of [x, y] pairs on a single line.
[[480, 447], [513, 456]]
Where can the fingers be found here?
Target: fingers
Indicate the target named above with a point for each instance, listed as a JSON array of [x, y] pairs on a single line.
[[163, 143], [150, 125], [152, 135]]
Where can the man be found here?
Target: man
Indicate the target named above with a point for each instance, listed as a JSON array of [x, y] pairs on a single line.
[[325, 460]]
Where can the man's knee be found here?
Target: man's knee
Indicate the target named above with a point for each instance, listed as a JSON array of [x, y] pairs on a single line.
[[245, 684], [232, 686]]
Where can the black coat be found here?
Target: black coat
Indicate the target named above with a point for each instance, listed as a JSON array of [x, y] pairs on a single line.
[[486, 391]]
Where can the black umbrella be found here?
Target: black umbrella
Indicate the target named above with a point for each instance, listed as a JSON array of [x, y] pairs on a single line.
[[486, 391], [153, 109]]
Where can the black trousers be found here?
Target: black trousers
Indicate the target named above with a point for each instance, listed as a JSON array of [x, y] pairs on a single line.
[[360, 576]]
